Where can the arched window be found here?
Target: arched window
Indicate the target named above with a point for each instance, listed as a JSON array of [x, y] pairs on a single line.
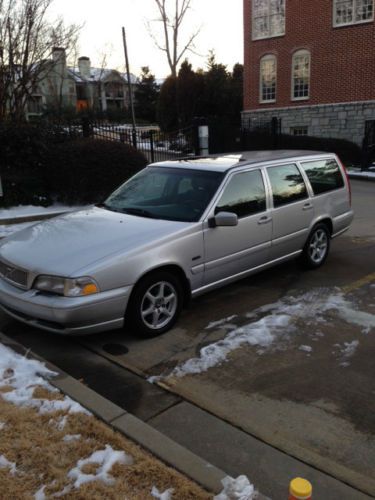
[[301, 75], [267, 81]]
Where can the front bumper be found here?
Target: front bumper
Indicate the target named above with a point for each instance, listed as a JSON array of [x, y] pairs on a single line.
[[66, 315]]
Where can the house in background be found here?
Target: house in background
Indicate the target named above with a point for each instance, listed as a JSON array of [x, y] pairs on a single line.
[[311, 64], [81, 88]]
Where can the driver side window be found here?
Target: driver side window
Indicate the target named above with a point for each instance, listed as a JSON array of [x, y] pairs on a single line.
[[244, 195]]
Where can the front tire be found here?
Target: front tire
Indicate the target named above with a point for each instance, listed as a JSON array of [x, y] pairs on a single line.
[[317, 246], [156, 304]]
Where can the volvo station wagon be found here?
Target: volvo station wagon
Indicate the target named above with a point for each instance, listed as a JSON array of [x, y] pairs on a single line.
[[175, 230]]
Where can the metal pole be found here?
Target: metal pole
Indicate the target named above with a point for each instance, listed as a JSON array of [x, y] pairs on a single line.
[[134, 131]]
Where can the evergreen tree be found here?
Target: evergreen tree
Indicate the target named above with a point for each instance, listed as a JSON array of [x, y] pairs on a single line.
[[146, 96], [167, 112]]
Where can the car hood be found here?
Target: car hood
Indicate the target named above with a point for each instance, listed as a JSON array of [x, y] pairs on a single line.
[[67, 243]]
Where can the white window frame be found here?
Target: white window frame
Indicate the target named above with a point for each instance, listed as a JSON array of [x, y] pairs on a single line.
[[302, 52], [353, 21], [253, 35], [265, 58]]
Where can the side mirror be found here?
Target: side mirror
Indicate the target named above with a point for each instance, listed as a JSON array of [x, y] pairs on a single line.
[[223, 219]]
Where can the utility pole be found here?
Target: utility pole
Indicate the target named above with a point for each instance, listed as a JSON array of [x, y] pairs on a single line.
[[134, 131]]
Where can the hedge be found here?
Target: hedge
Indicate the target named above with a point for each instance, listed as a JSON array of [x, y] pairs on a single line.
[[40, 165]]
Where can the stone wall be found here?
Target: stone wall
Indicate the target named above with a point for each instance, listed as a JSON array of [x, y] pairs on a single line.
[[340, 121]]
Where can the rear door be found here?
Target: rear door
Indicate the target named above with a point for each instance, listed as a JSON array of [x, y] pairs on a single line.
[[292, 212], [233, 250], [331, 194]]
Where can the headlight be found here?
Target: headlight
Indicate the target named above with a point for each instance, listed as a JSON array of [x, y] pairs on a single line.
[[68, 287]]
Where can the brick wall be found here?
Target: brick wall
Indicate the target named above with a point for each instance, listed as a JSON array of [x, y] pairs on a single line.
[[342, 59]]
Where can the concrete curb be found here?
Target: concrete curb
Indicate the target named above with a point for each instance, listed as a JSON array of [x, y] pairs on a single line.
[[164, 448], [359, 177]]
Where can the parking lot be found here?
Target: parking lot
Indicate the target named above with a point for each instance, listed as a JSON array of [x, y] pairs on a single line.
[[285, 357]]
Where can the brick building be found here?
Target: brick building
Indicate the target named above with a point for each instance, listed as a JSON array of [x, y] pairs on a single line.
[[312, 64]]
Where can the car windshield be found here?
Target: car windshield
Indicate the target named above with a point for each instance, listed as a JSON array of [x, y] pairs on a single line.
[[166, 193]]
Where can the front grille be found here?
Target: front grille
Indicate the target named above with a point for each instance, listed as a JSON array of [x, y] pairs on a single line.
[[13, 274]]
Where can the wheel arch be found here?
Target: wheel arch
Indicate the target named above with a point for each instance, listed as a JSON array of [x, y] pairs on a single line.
[[323, 220], [173, 269]]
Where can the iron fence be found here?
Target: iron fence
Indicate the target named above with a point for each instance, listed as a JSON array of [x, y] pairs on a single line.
[[151, 141]]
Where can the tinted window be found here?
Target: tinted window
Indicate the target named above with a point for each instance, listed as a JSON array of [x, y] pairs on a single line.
[[287, 185], [244, 195], [324, 175]]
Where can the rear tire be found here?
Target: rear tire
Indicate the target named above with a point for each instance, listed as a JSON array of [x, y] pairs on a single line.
[[317, 246], [155, 304]]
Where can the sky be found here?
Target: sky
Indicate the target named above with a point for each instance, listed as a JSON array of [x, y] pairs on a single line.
[[220, 23]]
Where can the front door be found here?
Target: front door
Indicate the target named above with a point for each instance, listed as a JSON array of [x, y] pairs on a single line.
[[232, 250]]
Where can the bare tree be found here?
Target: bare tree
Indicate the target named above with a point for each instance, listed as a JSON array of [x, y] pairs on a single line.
[[172, 14], [26, 41]]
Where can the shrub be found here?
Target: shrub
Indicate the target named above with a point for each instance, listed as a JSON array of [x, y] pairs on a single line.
[[23, 150], [42, 163], [88, 170]]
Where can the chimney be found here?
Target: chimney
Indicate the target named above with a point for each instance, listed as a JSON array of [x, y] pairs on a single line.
[[84, 66], [58, 55]]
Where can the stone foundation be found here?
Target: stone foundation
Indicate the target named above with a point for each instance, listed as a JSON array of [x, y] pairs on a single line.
[[340, 121]]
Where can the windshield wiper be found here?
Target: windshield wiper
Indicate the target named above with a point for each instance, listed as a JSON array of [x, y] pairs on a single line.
[[139, 211], [108, 207]]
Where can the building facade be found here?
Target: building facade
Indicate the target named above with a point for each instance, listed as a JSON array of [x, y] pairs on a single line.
[[79, 88], [312, 64]]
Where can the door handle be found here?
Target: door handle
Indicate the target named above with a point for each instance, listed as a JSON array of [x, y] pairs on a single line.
[[264, 220], [307, 206]]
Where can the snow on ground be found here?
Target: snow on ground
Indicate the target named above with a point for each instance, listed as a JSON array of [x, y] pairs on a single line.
[[166, 495], [347, 350], [360, 173], [5, 464], [305, 348], [236, 489], [22, 375], [71, 437], [26, 210], [273, 323], [220, 322], [105, 459]]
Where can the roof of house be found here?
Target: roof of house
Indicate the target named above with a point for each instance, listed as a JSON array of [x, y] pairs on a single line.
[[100, 75]]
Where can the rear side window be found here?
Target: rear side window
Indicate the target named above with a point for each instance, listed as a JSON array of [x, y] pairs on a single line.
[[244, 195], [324, 175], [287, 185]]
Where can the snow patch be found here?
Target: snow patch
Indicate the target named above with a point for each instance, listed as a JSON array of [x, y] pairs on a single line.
[[2, 425], [306, 348], [347, 350], [4, 464], [39, 495], [166, 495], [71, 437], [105, 459], [220, 322], [277, 323], [24, 375], [236, 489]]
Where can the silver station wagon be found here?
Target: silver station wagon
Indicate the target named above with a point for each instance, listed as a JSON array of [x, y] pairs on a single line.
[[175, 230]]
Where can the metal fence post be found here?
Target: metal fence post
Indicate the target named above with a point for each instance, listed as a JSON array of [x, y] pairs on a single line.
[[151, 134]]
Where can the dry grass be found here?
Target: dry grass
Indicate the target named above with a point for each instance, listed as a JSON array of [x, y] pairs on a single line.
[[35, 443]]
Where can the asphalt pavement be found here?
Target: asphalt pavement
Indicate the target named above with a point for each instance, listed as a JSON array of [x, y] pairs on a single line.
[[271, 414]]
